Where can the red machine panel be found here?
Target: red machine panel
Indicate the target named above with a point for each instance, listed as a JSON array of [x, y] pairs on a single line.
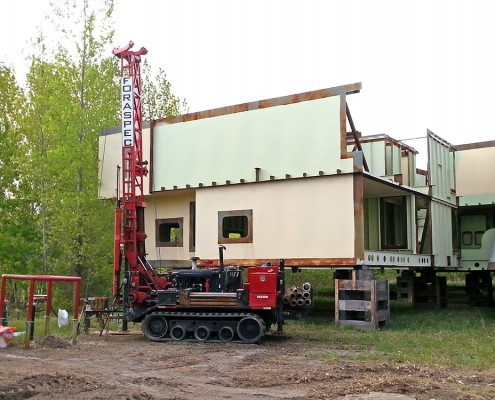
[[262, 300], [263, 279]]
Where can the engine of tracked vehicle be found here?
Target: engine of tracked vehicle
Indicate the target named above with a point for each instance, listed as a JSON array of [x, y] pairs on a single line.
[[228, 279]]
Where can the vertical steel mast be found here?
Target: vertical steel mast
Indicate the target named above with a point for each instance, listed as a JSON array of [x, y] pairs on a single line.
[[129, 215]]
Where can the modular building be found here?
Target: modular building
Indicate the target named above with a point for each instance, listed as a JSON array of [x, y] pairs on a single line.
[[291, 178]]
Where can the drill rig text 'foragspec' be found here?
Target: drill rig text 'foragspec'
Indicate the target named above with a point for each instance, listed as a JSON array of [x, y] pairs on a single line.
[[204, 304]]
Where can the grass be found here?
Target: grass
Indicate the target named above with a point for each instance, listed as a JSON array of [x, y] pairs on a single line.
[[461, 337], [456, 336]]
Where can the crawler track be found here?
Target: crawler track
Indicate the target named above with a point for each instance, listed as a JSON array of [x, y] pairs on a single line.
[[162, 326]]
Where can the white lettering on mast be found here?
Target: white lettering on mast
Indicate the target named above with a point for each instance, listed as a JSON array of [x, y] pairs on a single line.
[[127, 112]]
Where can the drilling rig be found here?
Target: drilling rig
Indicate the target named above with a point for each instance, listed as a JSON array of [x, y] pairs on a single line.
[[196, 304]]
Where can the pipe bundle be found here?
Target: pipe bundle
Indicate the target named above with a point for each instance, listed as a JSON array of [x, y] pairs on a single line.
[[299, 297]]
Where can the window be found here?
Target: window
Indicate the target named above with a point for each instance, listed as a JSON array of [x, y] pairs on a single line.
[[235, 226], [478, 236], [393, 222], [169, 232], [467, 238]]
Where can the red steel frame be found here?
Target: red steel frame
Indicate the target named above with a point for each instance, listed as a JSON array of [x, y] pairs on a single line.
[[130, 234], [133, 172], [49, 279]]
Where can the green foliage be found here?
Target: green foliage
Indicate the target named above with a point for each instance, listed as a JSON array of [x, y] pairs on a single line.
[[17, 237], [52, 220], [158, 99], [72, 96], [321, 280]]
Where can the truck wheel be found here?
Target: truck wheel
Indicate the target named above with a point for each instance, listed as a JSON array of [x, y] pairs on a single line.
[[251, 329], [202, 333], [178, 332], [155, 326], [226, 334]]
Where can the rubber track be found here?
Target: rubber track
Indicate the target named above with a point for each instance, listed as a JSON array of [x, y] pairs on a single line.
[[188, 314], [211, 316]]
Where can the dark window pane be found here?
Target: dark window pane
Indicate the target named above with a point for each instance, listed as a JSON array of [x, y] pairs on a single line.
[[393, 222], [168, 232], [235, 227], [467, 238]]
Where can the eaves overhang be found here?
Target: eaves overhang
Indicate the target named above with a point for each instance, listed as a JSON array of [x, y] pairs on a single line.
[[375, 186]]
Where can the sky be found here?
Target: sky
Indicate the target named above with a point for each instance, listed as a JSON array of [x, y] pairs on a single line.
[[422, 64]]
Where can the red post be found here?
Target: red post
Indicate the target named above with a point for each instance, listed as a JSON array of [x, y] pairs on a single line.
[[2, 300], [30, 323]]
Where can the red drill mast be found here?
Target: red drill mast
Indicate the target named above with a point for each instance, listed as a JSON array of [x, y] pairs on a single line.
[[129, 215]]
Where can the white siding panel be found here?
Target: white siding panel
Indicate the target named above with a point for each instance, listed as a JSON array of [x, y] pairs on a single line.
[[174, 205], [303, 218], [441, 233], [475, 181], [441, 168], [290, 139]]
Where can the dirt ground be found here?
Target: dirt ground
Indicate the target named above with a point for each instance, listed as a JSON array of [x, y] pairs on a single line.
[[280, 367]]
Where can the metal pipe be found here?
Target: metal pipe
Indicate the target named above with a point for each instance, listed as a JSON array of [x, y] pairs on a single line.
[[194, 262], [220, 251], [77, 296], [42, 277]]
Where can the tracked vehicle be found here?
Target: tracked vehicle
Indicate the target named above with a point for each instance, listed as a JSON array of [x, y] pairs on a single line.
[[225, 303]]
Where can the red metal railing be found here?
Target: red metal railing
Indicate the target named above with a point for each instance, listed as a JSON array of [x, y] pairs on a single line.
[[45, 278]]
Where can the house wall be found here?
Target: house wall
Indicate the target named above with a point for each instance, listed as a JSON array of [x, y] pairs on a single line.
[[385, 158], [374, 151], [475, 164], [294, 139], [441, 169], [372, 223], [475, 182], [392, 159], [294, 218], [442, 181], [169, 205], [441, 218]]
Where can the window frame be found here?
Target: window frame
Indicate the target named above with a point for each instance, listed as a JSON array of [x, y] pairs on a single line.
[[467, 238], [403, 227], [192, 226], [478, 238], [179, 242], [235, 213]]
